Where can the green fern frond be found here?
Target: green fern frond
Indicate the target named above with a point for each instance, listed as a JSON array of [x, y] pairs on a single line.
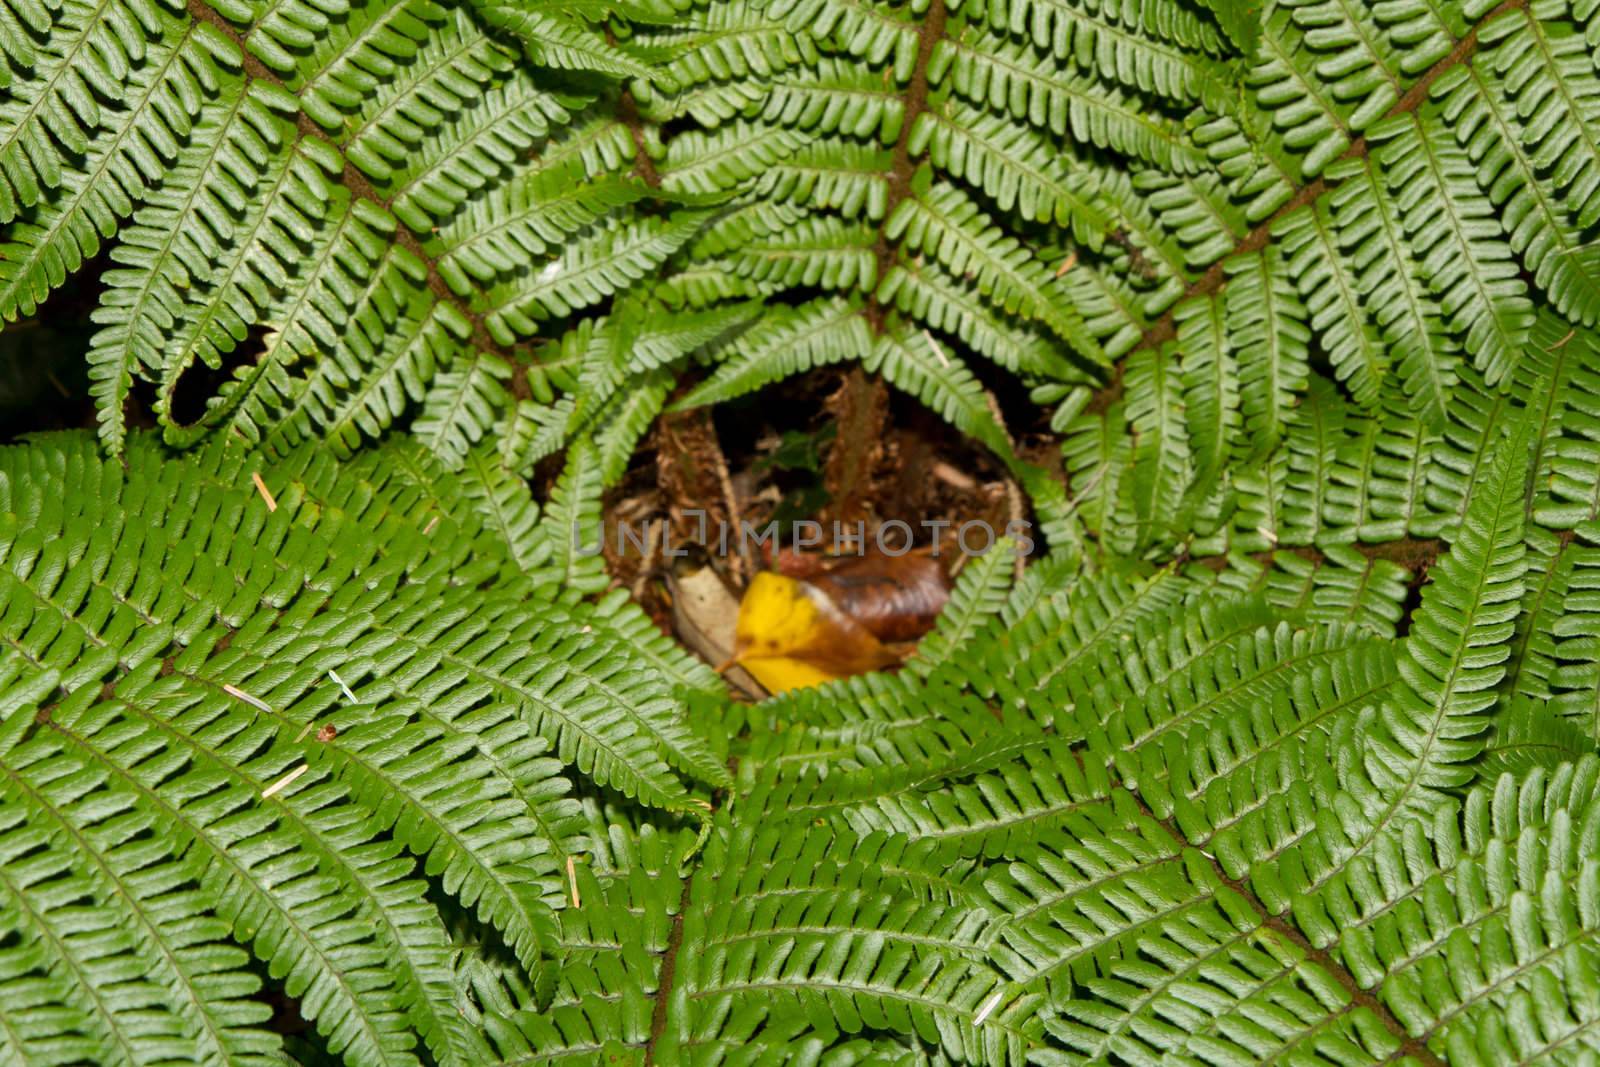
[[473, 150], [1277, 746], [462, 406], [1456, 649], [860, 27], [609, 259], [551, 39], [1013, 165], [828, 330], [912, 361], [942, 302], [1266, 326], [943, 223], [978, 595], [117, 169], [1334, 301], [1008, 76], [1482, 297], [1540, 228]]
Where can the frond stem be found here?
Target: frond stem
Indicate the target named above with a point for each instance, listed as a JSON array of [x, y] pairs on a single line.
[[669, 970], [902, 167]]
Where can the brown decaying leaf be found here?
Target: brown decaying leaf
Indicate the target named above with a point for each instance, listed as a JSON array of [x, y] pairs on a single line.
[[856, 615], [896, 598]]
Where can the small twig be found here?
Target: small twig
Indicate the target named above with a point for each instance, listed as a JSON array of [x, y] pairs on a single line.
[[988, 1007], [340, 682], [283, 783], [1088, 487], [234, 691], [572, 880], [1016, 514], [266, 494], [1014, 499], [741, 559], [428, 529], [654, 539], [952, 477], [306, 729]]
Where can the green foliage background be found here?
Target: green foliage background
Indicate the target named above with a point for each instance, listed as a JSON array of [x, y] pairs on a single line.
[[1283, 752]]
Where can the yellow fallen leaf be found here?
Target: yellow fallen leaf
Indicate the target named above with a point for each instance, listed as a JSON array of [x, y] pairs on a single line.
[[791, 634], [779, 674]]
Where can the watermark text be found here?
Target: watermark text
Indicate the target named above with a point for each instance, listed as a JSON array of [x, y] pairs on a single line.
[[892, 538]]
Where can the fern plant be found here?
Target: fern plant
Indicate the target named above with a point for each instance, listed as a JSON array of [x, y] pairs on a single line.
[[1283, 750]]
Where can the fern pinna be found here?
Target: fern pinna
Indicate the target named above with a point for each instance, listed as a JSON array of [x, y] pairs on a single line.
[[1284, 751]]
